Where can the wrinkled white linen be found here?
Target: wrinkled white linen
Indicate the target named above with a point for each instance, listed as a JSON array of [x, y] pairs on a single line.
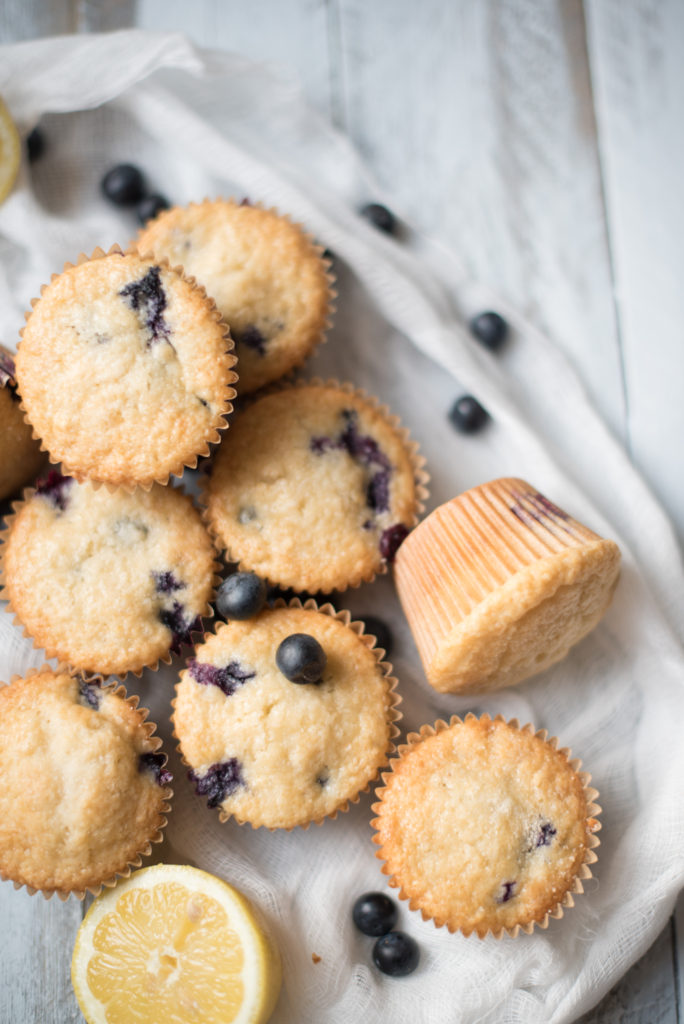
[[203, 123]]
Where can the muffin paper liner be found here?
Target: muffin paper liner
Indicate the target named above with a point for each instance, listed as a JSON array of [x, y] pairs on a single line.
[[53, 652], [221, 419], [556, 910], [328, 313], [149, 729], [470, 547], [420, 476], [393, 714]]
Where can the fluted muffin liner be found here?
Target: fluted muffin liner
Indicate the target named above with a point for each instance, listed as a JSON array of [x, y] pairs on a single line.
[[157, 836], [421, 478], [393, 714], [52, 652], [472, 546], [220, 420], [327, 315], [556, 908]]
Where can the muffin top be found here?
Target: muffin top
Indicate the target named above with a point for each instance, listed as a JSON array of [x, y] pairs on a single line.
[[483, 826], [275, 752], [266, 276], [82, 783], [124, 370], [313, 488], [108, 582], [20, 455]]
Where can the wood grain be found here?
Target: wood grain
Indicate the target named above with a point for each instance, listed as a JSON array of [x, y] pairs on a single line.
[[638, 79]]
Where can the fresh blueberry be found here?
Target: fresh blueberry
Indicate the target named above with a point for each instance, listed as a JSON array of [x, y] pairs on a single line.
[[391, 539], [381, 631], [35, 145], [467, 415], [374, 913], [396, 953], [490, 329], [150, 206], [241, 596], [301, 658], [123, 185], [380, 217]]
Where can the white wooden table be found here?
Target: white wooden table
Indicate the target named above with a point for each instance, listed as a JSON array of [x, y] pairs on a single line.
[[477, 117]]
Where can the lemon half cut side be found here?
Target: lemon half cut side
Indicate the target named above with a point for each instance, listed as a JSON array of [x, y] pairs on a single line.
[[10, 152], [174, 945]]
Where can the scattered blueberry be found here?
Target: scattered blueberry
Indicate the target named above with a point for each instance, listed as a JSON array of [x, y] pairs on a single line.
[[241, 596], [252, 337], [490, 329], [467, 415], [148, 298], [55, 488], [35, 145], [219, 781], [380, 217], [396, 954], [156, 764], [381, 631], [374, 913], [301, 658], [123, 185], [391, 540], [228, 679], [149, 206]]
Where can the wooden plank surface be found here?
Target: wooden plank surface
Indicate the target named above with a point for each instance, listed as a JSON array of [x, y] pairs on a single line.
[[497, 127]]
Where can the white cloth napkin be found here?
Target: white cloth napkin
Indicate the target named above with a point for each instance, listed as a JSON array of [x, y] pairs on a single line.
[[204, 123]]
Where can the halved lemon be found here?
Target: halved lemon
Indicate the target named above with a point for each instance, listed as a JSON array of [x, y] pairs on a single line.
[[174, 945], [10, 152]]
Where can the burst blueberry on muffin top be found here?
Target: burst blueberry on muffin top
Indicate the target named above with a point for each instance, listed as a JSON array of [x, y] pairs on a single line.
[[108, 582], [276, 750], [124, 370], [313, 488], [267, 277]]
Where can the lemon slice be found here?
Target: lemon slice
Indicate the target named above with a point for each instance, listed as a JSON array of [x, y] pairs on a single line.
[[173, 945], [10, 152]]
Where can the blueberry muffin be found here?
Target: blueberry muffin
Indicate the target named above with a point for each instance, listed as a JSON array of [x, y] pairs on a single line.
[[277, 735], [107, 582], [84, 783], [499, 583], [20, 456], [124, 370], [314, 488], [268, 280], [485, 826]]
